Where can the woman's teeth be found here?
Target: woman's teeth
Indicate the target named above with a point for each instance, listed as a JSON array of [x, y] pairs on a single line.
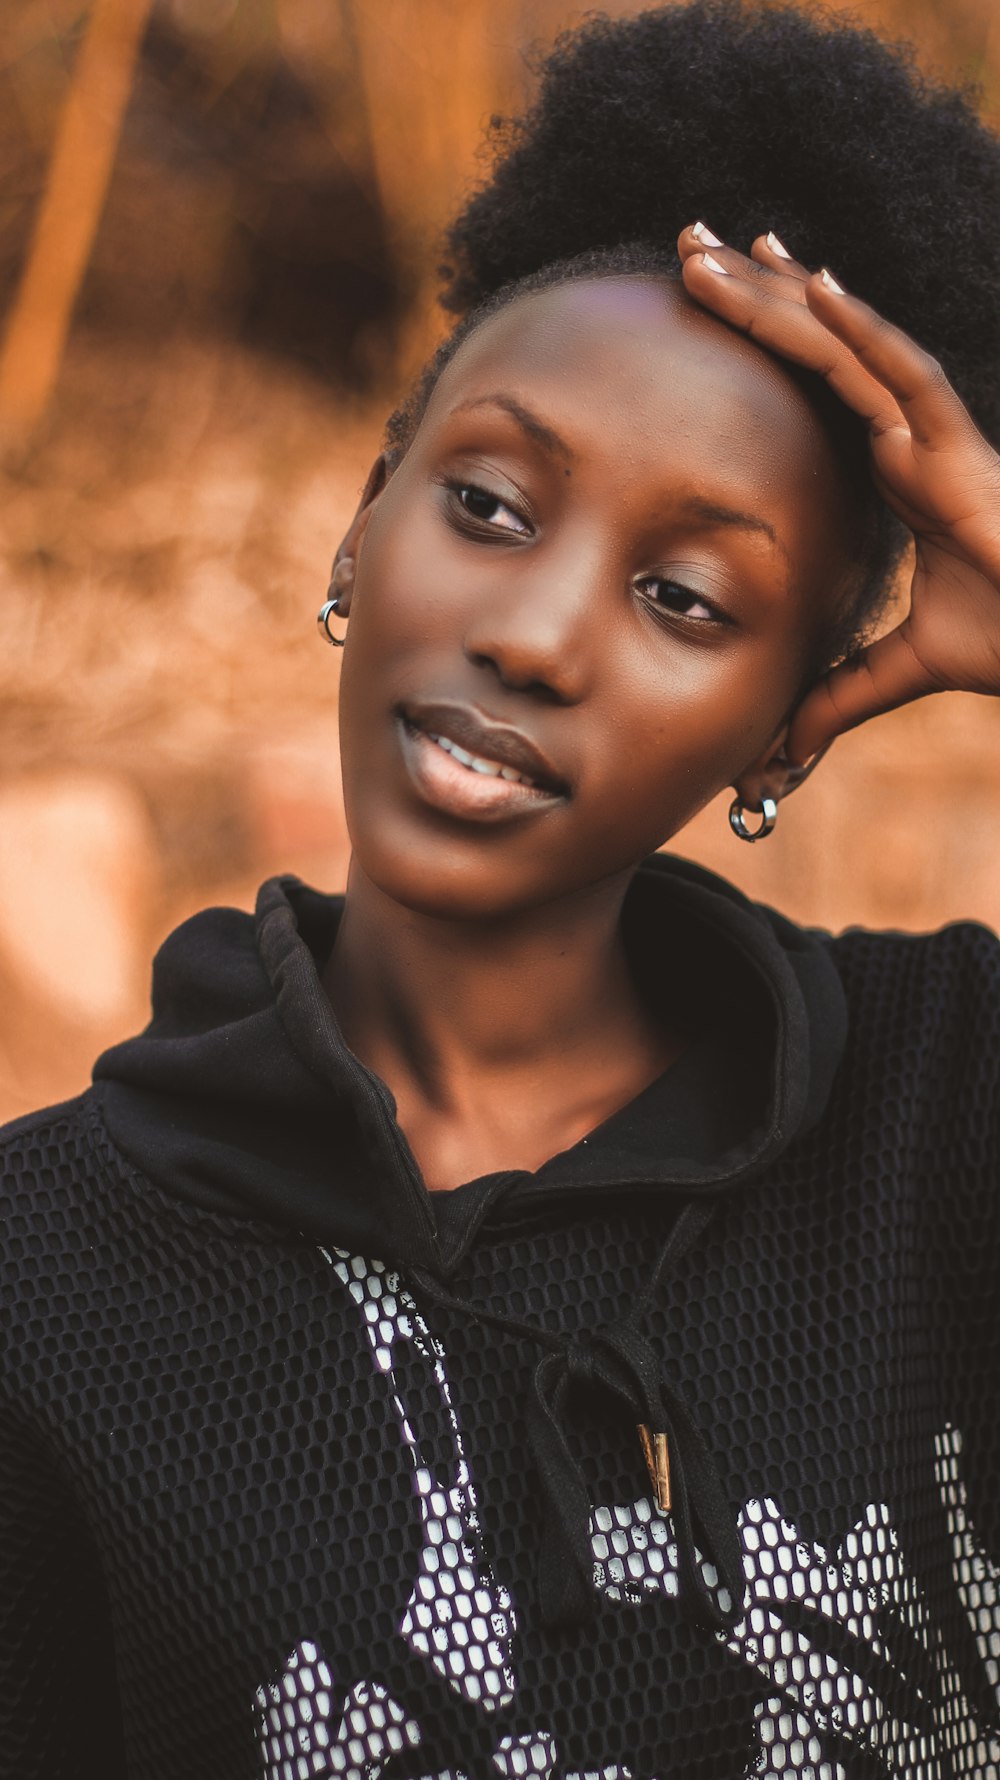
[[476, 763]]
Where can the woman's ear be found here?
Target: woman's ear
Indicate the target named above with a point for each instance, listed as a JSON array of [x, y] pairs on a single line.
[[345, 561], [773, 774]]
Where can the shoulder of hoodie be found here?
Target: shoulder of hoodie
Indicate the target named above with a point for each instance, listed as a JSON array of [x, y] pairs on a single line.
[[45, 1121], [50, 1173], [201, 939], [950, 973]]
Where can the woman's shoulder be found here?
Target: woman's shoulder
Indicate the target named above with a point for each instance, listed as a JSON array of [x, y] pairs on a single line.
[[923, 1039], [926, 1003], [35, 1139], [954, 966], [961, 953], [48, 1161], [60, 1178], [51, 1177]]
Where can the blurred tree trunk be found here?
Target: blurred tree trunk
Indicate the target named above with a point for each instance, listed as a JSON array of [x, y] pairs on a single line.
[[431, 77], [70, 211]]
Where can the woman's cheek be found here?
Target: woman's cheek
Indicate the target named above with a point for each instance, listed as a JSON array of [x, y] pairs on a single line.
[[408, 590], [706, 732]]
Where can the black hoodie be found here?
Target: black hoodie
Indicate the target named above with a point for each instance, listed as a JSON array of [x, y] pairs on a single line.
[[307, 1471]]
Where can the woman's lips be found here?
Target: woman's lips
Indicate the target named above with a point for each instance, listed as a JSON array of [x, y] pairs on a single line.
[[483, 790], [468, 731]]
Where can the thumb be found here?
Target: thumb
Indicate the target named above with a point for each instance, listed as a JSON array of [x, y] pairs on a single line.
[[886, 674]]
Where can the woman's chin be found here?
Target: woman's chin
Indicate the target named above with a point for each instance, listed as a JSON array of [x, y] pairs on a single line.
[[449, 897], [444, 883]]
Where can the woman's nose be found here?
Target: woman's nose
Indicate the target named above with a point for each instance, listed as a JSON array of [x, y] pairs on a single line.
[[536, 630]]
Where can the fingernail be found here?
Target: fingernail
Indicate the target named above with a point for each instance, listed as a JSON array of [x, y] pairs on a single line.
[[828, 279], [777, 246], [713, 265], [703, 233]]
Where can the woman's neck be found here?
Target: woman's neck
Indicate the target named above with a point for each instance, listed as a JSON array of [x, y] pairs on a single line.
[[502, 1042]]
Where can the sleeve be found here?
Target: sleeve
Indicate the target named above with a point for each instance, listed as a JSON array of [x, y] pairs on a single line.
[[958, 1149], [59, 1715]]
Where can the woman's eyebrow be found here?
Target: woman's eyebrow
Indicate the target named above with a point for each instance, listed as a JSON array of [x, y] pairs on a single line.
[[714, 515], [709, 512], [531, 423]]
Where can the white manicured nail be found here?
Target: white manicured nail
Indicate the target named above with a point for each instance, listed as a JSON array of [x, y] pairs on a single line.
[[713, 265], [828, 279], [777, 246], [703, 233]]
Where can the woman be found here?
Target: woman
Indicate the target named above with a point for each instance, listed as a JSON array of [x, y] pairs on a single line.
[[537, 1315]]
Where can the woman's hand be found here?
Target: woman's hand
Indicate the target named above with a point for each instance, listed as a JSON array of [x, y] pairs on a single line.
[[929, 461]]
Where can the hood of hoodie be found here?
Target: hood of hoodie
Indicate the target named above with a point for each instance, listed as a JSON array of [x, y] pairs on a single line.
[[242, 1097]]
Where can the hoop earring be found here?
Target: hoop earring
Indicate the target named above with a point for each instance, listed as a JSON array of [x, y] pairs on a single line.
[[737, 819], [330, 609]]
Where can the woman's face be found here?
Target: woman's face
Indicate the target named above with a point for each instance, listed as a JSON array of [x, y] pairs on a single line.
[[585, 600]]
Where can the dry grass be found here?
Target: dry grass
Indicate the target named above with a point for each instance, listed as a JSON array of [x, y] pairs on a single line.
[[162, 555]]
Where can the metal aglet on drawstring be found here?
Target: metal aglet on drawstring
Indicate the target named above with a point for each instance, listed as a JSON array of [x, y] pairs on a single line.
[[657, 1456]]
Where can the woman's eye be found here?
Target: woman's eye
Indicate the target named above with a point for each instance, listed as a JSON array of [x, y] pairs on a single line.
[[671, 596], [488, 509]]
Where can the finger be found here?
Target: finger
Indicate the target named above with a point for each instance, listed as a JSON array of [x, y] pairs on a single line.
[[789, 329], [699, 239], [769, 250], [916, 381], [886, 674]]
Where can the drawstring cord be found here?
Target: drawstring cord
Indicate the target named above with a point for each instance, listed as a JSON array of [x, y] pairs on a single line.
[[619, 1359]]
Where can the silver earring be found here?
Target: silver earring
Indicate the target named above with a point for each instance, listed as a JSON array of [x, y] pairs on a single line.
[[330, 609], [341, 579], [737, 819]]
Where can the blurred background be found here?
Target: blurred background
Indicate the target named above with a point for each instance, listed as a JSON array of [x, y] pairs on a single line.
[[218, 228]]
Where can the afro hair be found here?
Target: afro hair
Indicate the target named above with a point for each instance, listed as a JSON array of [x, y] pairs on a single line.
[[754, 117]]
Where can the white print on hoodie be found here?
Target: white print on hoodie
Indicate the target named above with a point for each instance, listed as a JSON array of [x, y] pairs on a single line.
[[461, 1620]]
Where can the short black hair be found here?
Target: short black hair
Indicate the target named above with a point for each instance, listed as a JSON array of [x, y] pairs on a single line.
[[752, 116]]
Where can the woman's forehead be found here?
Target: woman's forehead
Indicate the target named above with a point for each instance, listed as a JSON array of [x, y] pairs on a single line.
[[620, 363], [584, 326]]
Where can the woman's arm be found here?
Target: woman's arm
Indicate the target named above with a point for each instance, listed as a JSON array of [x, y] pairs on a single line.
[[930, 463], [59, 1716]]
